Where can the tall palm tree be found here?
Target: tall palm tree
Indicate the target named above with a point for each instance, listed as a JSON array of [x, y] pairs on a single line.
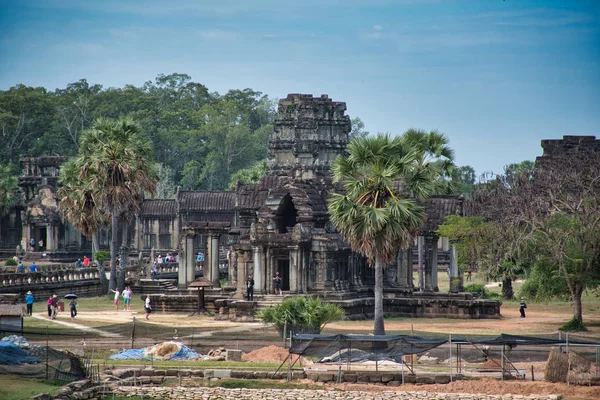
[[384, 180], [117, 167]]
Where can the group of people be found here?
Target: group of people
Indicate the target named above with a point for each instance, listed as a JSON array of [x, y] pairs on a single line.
[[169, 258], [126, 294], [277, 283], [21, 267], [83, 264]]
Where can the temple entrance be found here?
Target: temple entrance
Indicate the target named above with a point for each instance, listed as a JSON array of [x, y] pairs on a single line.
[[283, 266], [286, 215], [38, 233]]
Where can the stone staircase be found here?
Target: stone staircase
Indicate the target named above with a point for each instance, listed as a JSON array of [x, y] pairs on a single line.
[[268, 300], [32, 256], [156, 286]]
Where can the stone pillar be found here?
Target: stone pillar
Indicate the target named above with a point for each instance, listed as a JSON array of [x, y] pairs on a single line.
[[420, 245], [294, 269], [214, 258], [430, 256], [257, 254], [404, 262], [455, 281], [182, 268], [232, 275], [190, 258], [50, 240], [240, 260]]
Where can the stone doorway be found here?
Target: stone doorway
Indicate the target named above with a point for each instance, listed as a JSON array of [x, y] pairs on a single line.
[[283, 266]]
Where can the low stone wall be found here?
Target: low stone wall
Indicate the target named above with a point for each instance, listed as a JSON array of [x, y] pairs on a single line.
[[85, 389], [424, 306], [309, 394]]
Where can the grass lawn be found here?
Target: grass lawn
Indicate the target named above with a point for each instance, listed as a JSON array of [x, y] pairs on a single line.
[[17, 388]]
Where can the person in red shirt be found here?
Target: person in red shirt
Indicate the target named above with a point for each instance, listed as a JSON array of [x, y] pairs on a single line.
[[86, 261]]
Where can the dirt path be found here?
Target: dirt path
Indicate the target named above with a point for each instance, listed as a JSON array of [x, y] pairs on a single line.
[[77, 326]]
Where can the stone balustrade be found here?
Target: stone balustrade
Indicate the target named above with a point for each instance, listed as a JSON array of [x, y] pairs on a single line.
[[55, 275]]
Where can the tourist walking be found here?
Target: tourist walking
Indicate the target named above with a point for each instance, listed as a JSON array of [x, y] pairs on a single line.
[[73, 308], [86, 261], [29, 299], [153, 274], [147, 306], [54, 306], [250, 288], [277, 280], [33, 267], [50, 307], [127, 298], [522, 307], [117, 293]]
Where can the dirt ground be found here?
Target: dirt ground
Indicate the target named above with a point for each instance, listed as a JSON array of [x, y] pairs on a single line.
[[495, 387], [541, 319]]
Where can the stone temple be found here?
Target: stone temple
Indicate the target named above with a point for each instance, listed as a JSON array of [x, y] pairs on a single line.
[[278, 224]]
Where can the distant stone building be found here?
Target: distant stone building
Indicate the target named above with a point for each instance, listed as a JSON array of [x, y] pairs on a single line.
[[279, 224]]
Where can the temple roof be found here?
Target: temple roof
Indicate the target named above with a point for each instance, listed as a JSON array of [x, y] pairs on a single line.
[[438, 207], [159, 208], [253, 195], [206, 200]]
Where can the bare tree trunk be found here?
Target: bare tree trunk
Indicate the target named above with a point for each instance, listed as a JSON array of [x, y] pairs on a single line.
[[379, 328], [507, 289], [112, 284], [577, 309], [95, 244]]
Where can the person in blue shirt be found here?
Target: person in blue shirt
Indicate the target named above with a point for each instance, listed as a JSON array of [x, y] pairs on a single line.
[[33, 267], [20, 267], [29, 299]]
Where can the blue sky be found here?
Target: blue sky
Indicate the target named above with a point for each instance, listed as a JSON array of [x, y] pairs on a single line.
[[495, 76]]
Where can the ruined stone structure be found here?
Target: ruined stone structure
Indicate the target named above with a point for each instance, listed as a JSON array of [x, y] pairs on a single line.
[[37, 215], [278, 224]]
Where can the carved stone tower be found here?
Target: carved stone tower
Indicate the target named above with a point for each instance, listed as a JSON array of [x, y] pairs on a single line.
[[309, 133]]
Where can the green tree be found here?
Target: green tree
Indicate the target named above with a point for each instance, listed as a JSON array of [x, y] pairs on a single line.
[[358, 128], [249, 175], [118, 169], [301, 314], [464, 179], [8, 186], [384, 179]]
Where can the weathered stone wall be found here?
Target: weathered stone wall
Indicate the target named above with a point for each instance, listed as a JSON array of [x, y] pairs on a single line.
[[308, 394]]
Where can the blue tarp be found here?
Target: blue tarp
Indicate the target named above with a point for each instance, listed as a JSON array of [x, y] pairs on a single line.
[[11, 354], [184, 353]]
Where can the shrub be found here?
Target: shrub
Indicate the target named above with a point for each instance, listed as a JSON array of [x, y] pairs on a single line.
[[11, 262], [477, 288], [303, 314], [100, 256], [574, 325]]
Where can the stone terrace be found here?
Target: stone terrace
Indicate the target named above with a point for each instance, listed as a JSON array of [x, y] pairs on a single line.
[[294, 394]]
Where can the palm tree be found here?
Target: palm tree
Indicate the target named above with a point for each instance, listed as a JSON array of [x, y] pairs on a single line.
[[384, 180], [117, 168]]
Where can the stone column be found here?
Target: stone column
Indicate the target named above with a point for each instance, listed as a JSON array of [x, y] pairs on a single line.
[[232, 275], [240, 260], [214, 258], [455, 281], [49, 241], [430, 256], [404, 262], [420, 245], [182, 268], [257, 254], [294, 269], [190, 258]]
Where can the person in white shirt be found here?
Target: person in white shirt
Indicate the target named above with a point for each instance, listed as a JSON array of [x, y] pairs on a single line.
[[117, 293], [127, 299], [159, 259], [147, 306]]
